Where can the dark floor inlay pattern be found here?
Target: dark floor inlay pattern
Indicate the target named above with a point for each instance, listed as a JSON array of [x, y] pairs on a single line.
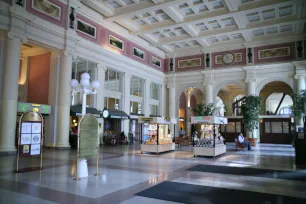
[[194, 194], [266, 173]]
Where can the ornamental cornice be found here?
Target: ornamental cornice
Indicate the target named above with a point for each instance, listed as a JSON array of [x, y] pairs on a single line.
[[29, 22]]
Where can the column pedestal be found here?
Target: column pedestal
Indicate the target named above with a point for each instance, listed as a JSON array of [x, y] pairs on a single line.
[[8, 114]]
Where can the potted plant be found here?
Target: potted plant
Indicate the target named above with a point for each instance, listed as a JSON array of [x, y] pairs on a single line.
[[204, 110], [298, 107], [251, 107]]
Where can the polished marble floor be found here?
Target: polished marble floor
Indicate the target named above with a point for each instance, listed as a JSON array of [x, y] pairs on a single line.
[[124, 172]]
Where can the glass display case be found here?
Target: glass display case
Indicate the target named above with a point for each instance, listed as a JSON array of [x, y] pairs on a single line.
[[155, 135], [210, 142]]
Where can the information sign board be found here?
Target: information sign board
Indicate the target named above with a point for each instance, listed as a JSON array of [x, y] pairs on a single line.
[[88, 139], [30, 138]]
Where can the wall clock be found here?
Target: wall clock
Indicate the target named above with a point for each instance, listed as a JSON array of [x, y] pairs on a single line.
[[228, 58]]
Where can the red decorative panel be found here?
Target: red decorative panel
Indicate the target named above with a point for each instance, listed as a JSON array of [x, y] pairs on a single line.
[[60, 20], [189, 63], [274, 53]]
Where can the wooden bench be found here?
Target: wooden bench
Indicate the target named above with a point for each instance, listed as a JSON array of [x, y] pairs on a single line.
[[239, 145], [179, 141]]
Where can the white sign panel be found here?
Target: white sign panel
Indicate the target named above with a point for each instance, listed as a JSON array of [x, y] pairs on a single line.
[[25, 139], [36, 127], [35, 149], [26, 127], [35, 139]]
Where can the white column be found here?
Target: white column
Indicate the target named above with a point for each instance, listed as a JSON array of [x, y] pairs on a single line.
[[300, 84], [2, 56], [188, 114], [172, 107], [147, 97], [300, 87], [10, 94], [50, 137], [162, 101], [251, 87], [101, 69], [126, 101], [63, 117], [252, 91], [209, 94]]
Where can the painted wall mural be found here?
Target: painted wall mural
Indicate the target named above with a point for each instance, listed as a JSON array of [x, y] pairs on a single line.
[[138, 53], [186, 63], [274, 53], [116, 42], [48, 8], [156, 62], [86, 28]]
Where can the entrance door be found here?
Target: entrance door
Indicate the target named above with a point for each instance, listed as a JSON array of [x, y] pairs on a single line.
[[276, 131]]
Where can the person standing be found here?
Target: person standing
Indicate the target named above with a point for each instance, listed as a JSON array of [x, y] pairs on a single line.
[[241, 141], [182, 132]]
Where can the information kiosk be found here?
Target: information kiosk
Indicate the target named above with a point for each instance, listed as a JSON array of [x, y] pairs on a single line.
[[210, 144], [155, 137]]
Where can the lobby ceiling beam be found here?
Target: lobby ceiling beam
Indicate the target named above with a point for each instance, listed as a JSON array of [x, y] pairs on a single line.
[[232, 5], [142, 7], [222, 13], [100, 7], [217, 32]]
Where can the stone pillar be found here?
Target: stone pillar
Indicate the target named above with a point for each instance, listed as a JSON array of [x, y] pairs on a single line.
[[162, 101], [299, 88], [2, 56], [51, 130], [126, 101], [209, 94], [64, 102], [251, 86], [188, 114], [252, 91], [8, 112], [300, 83], [147, 97], [101, 70], [172, 108]]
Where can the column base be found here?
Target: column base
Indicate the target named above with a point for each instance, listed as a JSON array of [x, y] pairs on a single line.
[[7, 151], [61, 147]]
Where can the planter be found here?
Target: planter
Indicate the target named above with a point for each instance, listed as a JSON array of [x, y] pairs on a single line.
[[253, 141]]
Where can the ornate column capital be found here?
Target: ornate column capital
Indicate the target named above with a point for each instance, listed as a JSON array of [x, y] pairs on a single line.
[[12, 35], [127, 75], [101, 66]]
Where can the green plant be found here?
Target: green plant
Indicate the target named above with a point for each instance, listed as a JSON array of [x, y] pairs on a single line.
[[204, 110], [298, 107], [251, 107]]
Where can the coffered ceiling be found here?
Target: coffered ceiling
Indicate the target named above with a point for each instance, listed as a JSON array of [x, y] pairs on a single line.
[[190, 26]]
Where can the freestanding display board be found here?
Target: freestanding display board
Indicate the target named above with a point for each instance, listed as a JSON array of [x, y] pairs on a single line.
[[88, 140], [30, 139]]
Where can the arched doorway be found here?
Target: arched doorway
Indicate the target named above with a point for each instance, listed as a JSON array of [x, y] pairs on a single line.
[[188, 101], [276, 126], [231, 95]]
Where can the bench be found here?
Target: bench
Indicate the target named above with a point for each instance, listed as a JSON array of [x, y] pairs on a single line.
[[239, 145]]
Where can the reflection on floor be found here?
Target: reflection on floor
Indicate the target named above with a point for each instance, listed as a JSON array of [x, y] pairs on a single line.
[[128, 177]]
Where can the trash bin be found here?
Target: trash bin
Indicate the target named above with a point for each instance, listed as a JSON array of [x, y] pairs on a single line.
[[82, 168]]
